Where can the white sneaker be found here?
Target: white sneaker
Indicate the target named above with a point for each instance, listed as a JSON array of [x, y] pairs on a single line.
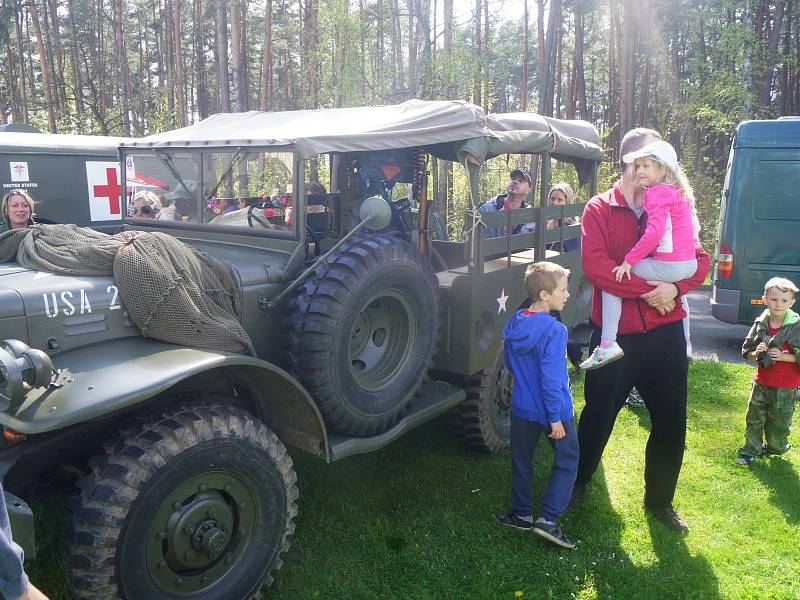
[[603, 356]]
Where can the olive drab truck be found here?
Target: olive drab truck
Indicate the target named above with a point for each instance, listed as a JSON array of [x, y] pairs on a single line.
[[363, 327]]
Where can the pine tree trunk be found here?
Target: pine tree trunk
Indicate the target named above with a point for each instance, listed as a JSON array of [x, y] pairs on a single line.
[[20, 60], [44, 62], [203, 104], [476, 82], [123, 77], [525, 59], [266, 62], [59, 54], [221, 47]]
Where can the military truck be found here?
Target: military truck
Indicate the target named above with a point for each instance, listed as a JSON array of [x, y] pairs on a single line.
[[363, 328], [73, 178]]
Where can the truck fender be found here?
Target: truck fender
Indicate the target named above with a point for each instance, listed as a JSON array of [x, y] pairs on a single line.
[[100, 379]]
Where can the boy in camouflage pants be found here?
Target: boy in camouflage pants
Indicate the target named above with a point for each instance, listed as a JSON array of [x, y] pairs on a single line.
[[773, 341]]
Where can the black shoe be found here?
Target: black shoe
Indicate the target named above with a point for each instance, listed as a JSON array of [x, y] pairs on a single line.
[[512, 520], [765, 451], [745, 460], [578, 495], [668, 517], [552, 532]]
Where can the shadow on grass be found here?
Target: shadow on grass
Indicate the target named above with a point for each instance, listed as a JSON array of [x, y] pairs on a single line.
[[783, 483], [675, 563], [674, 573]]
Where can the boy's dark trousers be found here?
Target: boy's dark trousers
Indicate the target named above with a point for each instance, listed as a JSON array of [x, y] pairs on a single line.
[[655, 362], [524, 437]]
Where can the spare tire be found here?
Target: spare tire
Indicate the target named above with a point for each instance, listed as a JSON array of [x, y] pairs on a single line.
[[362, 332]]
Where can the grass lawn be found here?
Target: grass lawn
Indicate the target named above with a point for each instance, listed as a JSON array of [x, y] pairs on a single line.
[[414, 520]]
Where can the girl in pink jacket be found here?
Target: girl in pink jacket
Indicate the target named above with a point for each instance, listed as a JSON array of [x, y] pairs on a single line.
[[666, 250]]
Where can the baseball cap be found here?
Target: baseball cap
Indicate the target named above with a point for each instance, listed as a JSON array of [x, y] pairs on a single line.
[[523, 172], [661, 151]]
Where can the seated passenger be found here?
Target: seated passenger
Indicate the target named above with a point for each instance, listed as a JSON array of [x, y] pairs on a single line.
[[144, 205], [312, 187], [519, 186], [560, 194]]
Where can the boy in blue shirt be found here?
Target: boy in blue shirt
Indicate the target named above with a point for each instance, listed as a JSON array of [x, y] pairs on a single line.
[[535, 351]]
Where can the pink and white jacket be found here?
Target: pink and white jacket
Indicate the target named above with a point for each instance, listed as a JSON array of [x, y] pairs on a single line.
[[670, 232]]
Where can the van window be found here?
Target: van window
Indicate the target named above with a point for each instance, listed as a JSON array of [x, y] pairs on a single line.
[[776, 190]]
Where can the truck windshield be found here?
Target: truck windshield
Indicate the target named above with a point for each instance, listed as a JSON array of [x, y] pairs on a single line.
[[210, 189]]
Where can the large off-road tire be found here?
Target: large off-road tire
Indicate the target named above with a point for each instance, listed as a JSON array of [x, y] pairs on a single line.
[[197, 503], [484, 418], [362, 332]]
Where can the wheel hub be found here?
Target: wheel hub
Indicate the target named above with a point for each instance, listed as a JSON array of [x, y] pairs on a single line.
[[382, 339], [202, 527]]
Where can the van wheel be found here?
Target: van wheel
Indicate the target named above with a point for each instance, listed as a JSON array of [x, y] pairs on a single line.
[[362, 332], [197, 502], [484, 418]]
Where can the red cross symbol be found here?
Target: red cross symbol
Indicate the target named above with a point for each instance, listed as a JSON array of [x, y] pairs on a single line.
[[19, 169], [111, 190]]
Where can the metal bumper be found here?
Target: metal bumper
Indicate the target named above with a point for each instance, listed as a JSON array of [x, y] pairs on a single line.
[[725, 304]]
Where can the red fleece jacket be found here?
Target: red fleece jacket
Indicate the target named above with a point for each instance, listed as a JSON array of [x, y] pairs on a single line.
[[609, 229]]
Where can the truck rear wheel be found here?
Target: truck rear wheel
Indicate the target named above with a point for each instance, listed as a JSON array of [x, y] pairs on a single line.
[[197, 502], [484, 418], [362, 332]]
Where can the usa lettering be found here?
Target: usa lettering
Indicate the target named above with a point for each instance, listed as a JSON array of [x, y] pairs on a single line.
[[76, 302]]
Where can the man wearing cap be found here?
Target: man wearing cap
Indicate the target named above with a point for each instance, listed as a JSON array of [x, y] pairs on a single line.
[[651, 335], [519, 186]]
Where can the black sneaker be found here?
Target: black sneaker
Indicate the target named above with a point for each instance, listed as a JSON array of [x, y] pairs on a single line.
[[745, 461], [512, 520], [552, 532], [578, 495], [765, 451], [669, 518]]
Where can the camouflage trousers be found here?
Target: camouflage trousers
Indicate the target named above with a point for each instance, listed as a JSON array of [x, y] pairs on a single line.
[[769, 412]]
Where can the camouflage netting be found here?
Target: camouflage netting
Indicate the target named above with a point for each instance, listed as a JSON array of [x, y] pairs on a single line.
[[171, 291]]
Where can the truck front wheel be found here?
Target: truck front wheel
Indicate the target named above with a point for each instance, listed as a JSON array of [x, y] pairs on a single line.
[[197, 502]]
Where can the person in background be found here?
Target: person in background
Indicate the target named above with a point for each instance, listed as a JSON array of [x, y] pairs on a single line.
[[559, 195], [145, 205], [541, 402], [17, 210], [517, 191], [14, 584], [311, 187], [773, 341]]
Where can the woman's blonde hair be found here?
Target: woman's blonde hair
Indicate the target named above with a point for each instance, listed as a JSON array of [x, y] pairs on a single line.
[[566, 189], [16, 192], [149, 198], [676, 177]]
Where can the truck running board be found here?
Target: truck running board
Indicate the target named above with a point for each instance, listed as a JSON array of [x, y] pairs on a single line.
[[431, 400]]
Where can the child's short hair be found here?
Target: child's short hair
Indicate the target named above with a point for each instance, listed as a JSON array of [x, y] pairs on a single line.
[[543, 277], [783, 284]]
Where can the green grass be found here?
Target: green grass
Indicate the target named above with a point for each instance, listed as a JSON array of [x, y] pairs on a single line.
[[414, 520]]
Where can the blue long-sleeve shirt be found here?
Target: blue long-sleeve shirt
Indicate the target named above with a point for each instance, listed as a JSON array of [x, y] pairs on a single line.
[[536, 352], [13, 581]]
